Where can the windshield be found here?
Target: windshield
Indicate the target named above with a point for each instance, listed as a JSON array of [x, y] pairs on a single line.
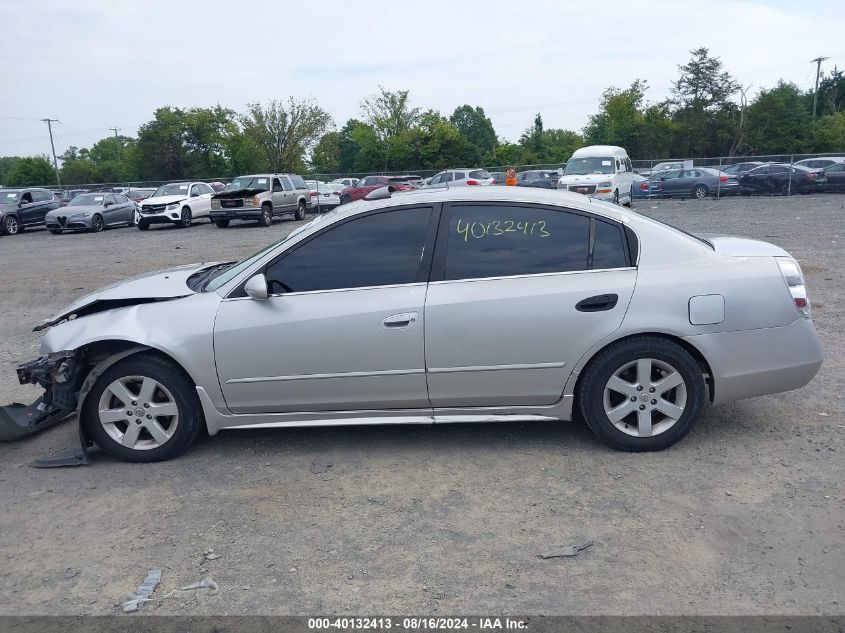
[[228, 274], [584, 166], [9, 197], [86, 200], [176, 189], [249, 182]]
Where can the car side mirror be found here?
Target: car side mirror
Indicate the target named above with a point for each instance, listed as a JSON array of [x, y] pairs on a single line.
[[256, 287], [108, 204]]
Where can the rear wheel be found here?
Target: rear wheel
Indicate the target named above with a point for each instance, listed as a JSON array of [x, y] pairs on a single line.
[[266, 218], [185, 220], [300, 210], [11, 226], [700, 192], [97, 223], [642, 394], [142, 409], [55, 231], [784, 189], [221, 224]]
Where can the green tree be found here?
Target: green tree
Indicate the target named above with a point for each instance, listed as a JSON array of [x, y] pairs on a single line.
[[778, 122], [532, 140], [474, 126], [162, 154], [32, 170], [829, 133], [325, 158], [7, 165], [704, 116], [558, 145], [831, 93], [389, 113], [286, 133]]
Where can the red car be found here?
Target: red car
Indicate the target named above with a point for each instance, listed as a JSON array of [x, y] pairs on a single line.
[[371, 183]]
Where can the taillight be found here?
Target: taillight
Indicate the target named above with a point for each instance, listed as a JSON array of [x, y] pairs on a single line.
[[493, 181], [472, 182], [335, 193], [723, 179], [644, 186], [794, 279], [314, 194]]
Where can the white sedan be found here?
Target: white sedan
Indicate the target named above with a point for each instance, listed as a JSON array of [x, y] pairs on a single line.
[[178, 203]]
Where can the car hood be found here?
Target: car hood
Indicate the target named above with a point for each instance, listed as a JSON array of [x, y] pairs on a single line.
[[587, 179], [7, 207], [161, 285], [164, 199], [742, 246], [74, 210]]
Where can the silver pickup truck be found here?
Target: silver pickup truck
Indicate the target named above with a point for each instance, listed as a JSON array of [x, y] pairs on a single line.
[[261, 197]]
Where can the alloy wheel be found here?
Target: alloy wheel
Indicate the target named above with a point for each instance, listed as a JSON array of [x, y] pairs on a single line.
[[138, 412], [12, 225], [645, 397]]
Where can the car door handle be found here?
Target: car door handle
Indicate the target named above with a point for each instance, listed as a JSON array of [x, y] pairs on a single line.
[[395, 321], [597, 303]]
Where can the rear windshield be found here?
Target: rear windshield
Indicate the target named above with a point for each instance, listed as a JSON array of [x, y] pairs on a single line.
[[483, 174]]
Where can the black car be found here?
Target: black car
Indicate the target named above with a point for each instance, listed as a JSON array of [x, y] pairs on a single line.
[[544, 178], [738, 169], [24, 208], [781, 178], [835, 177]]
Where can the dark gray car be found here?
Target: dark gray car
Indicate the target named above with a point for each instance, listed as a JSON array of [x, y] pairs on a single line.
[[92, 212], [23, 208], [699, 182]]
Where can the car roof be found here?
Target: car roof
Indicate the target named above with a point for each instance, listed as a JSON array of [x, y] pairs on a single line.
[[528, 195], [599, 150]]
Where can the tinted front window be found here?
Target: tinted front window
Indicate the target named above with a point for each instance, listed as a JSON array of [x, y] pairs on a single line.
[[499, 241], [584, 166], [608, 247], [374, 250]]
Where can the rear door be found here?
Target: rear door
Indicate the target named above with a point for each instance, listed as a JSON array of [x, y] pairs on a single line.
[[502, 322]]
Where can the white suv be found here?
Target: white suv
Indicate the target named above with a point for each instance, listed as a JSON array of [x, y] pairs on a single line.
[[600, 171], [178, 203]]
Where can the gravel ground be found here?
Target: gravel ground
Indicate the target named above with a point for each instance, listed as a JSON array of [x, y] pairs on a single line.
[[745, 516]]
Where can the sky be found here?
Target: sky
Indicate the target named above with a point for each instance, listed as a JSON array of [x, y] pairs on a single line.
[[99, 64]]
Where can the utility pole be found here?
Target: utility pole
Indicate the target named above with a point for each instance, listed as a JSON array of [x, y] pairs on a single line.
[[818, 62], [49, 123], [116, 130]]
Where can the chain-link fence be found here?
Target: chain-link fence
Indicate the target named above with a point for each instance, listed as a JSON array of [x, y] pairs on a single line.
[[792, 173]]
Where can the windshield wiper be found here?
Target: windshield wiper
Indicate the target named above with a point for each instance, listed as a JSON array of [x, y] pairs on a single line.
[[204, 277]]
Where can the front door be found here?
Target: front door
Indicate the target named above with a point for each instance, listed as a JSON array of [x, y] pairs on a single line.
[[289, 195], [343, 327], [502, 323]]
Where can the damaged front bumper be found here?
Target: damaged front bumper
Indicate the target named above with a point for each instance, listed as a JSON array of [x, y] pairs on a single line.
[[59, 375]]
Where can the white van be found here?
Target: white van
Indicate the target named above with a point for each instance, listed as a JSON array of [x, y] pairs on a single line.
[[600, 171]]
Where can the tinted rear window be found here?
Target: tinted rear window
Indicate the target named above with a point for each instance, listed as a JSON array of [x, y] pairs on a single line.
[[608, 247], [480, 173]]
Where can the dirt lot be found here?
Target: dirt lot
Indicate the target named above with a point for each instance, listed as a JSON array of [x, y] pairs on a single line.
[[745, 516]]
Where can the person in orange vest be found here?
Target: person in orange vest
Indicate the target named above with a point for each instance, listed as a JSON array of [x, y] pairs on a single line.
[[510, 177]]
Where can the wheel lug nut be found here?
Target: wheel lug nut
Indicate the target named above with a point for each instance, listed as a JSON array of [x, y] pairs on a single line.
[[642, 407], [654, 402], [134, 404], [651, 390], [149, 417], [633, 399], [147, 404], [128, 413], [639, 387]]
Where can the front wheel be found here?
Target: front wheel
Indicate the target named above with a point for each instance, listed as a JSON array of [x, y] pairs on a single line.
[[700, 192], [97, 223], [221, 224], [142, 409], [11, 225], [185, 219], [143, 226], [55, 231], [630, 202], [266, 218], [616, 197], [642, 394]]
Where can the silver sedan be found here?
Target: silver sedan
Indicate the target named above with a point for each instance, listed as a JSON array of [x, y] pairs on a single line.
[[478, 304], [92, 212]]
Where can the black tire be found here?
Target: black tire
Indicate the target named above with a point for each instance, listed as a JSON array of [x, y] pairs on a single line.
[[266, 218], [55, 231], [616, 197], [11, 226], [700, 192], [300, 210], [143, 226], [186, 219], [785, 189], [175, 380], [591, 392], [221, 224], [97, 224]]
